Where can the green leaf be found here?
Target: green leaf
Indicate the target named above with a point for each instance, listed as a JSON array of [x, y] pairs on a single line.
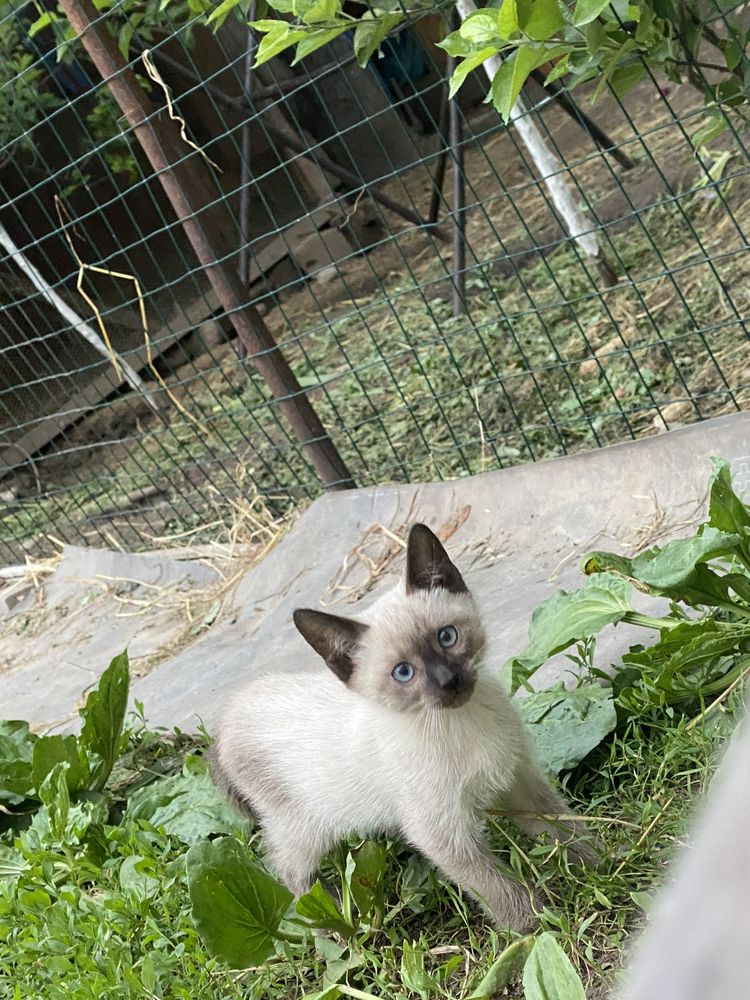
[[278, 38], [321, 913], [16, 754], [53, 793], [624, 78], [566, 618], [587, 10], [316, 39], [371, 32], [103, 716], [480, 28], [219, 14], [566, 725], [540, 19], [321, 10], [134, 877], [549, 973], [366, 879], [51, 750], [186, 805], [236, 907], [512, 75], [413, 974], [504, 969], [468, 65], [507, 19], [12, 862], [726, 511]]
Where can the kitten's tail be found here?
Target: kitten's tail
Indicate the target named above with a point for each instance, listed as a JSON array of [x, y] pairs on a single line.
[[224, 782]]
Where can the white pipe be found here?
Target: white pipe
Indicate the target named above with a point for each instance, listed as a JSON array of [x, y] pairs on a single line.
[[547, 164]]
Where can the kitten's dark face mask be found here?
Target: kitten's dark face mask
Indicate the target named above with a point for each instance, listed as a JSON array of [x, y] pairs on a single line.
[[422, 650]]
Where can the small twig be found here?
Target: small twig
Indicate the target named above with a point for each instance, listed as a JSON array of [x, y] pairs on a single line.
[[353, 210]]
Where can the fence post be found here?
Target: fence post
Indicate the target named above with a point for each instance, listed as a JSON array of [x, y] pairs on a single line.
[[197, 203]]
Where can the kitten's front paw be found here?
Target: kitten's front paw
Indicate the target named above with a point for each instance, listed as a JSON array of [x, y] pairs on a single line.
[[515, 910]]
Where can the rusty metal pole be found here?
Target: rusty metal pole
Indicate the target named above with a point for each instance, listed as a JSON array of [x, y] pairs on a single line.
[[198, 205]]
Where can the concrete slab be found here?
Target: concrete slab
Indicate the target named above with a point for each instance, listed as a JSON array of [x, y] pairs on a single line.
[[516, 534]]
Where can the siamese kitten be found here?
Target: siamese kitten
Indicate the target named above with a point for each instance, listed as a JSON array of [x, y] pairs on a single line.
[[409, 733]]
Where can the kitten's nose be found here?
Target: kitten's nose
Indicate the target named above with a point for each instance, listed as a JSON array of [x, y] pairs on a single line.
[[445, 678]]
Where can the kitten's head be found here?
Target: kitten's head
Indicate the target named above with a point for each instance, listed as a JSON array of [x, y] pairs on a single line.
[[424, 645]]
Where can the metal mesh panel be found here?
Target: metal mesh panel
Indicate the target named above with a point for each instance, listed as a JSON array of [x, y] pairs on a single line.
[[412, 271]]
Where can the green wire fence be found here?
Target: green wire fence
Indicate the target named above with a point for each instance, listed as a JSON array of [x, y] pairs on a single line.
[[219, 277]]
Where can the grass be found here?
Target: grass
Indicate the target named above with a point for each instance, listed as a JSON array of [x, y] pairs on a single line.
[[108, 912]]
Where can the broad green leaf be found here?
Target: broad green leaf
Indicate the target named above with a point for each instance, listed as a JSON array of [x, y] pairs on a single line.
[[237, 908], [219, 14], [50, 750], [316, 39], [468, 65], [456, 46], [513, 73], [321, 10], [480, 28], [587, 10], [321, 913], [549, 973], [566, 725], [559, 69], [566, 618], [507, 19], [186, 805], [677, 570], [726, 511], [624, 78], [504, 969], [413, 974], [371, 32], [366, 879], [540, 19], [103, 716], [16, 754], [277, 39]]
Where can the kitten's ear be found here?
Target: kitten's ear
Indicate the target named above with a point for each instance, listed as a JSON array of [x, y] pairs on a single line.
[[428, 565], [334, 638]]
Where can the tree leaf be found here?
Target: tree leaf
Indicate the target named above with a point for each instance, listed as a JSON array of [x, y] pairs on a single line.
[[103, 716], [12, 862], [321, 913], [480, 28], [278, 37], [237, 908], [507, 19], [504, 969], [514, 72], [549, 973], [587, 10], [371, 32], [565, 725], [468, 65], [540, 19], [316, 39], [566, 618], [186, 805]]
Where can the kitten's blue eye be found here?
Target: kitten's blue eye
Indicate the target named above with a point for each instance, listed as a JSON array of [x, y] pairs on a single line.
[[402, 672], [447, 636]]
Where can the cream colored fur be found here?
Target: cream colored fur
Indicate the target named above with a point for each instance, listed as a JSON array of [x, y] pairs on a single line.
[[317, 760]]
